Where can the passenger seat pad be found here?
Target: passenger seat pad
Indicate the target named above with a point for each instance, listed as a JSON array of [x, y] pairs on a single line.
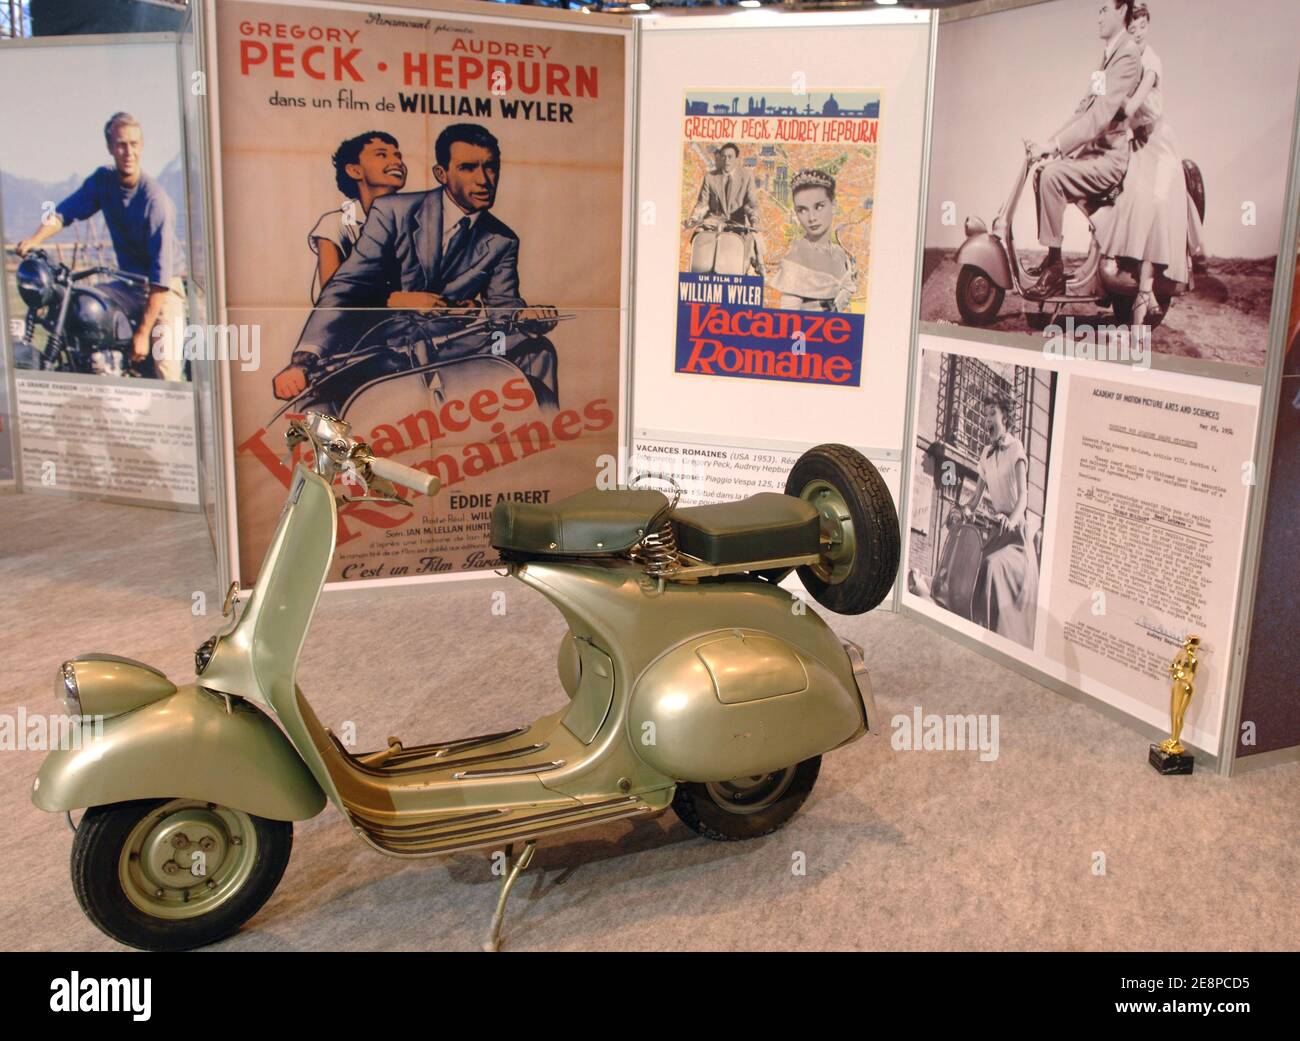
[[766, 526]]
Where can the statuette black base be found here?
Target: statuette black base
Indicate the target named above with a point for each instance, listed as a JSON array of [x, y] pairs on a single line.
[[1166, 763]]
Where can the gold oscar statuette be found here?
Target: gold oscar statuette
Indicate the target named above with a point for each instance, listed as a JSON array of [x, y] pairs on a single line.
[[1170, 757]]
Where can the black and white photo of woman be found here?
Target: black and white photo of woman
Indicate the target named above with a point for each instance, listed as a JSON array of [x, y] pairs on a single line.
[[1006, 592]]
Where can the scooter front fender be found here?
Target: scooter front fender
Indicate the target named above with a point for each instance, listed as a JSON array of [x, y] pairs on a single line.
[[984, 251], [192, 744]]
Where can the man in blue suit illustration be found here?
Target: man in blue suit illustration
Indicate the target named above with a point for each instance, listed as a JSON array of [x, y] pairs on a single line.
[[434, 251]]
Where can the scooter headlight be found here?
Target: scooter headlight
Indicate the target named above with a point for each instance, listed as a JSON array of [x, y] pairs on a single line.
[[107, 685], [204, 654], [975, 226], [66, 691]]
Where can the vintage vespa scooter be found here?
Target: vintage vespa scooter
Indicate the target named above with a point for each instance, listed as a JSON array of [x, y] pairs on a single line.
[[724, 247], [988, 264], [694, 680]]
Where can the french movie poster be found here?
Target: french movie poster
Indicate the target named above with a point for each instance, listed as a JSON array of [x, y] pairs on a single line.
[[778, 191], [423, 226]]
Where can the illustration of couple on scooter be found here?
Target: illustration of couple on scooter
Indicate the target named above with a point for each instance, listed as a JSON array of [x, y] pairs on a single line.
[[1117, 160], [444, 267], [724, 220]]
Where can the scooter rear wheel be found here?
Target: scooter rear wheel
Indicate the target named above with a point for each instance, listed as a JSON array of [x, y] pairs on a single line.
[[175, 874], [746, 807]]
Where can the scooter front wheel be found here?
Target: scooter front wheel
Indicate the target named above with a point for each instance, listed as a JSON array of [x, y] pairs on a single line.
[[746, 807], [174, 874], [979, 298]]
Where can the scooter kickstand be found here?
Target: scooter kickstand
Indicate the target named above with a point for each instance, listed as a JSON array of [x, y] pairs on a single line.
[[493, 942]]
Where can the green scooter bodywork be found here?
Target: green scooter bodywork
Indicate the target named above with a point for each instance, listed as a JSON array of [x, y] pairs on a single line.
[[659, 695], [189, 744], [698, 686], [186, 743], [781, 688]]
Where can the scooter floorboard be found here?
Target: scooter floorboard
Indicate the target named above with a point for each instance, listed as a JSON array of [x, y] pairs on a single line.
[[495, 827], [397, 753]]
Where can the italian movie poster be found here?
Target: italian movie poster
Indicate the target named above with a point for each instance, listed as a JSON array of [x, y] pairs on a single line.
[[423, 221], [778, 191]]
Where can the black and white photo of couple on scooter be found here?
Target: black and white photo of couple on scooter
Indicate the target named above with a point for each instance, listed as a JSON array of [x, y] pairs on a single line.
[[1138, 227]]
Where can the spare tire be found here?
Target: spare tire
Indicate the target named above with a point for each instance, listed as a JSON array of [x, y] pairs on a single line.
[[859, 566]]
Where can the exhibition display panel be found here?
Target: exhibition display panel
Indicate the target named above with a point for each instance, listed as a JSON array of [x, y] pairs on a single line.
[[714, 332], [92, 414], [1143, 451], [740, 364]]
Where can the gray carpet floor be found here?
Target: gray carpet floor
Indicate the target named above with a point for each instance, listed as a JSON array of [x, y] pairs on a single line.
[[904, 850]]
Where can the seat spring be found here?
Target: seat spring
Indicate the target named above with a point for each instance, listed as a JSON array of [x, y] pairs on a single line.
[[657, 552]]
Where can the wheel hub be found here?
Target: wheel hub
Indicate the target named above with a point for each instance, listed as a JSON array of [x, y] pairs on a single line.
[[753, 793], [186, 857], [839, 545]]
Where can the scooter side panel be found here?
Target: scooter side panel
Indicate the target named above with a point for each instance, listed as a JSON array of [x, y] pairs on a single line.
[[186, 746], [593, 696], [569, 664], [629, 617], [713, 725]]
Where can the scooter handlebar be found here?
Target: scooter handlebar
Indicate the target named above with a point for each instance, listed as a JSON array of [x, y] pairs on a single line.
[[407, 476]]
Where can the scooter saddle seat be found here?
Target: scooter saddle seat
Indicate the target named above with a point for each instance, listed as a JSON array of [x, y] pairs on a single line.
[[591, 523], [766, 526]]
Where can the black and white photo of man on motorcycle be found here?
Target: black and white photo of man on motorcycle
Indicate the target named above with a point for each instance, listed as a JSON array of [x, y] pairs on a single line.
[[1093, 146], [441, 258]]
